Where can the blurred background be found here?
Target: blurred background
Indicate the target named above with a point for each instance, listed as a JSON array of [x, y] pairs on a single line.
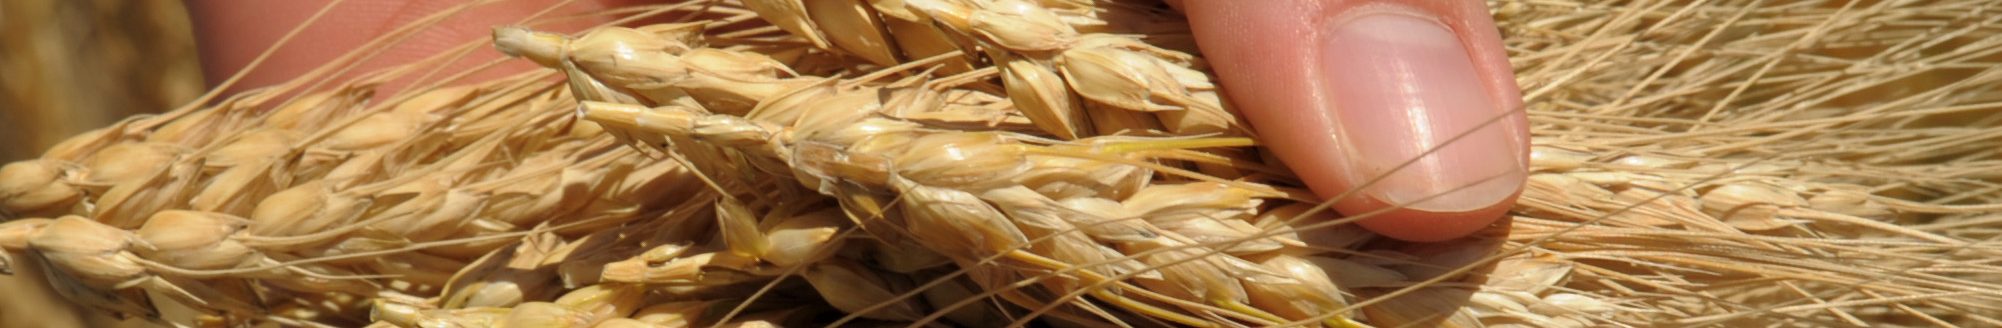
[[68, 66]]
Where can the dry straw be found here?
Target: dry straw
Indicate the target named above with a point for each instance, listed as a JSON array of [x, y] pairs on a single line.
[[1070, 163]]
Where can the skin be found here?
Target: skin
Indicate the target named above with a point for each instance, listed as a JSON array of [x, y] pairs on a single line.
[[1343, 91], [1266, 54], [232, 33]]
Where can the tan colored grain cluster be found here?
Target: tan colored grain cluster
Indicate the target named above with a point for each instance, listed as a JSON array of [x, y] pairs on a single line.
[[247, 211], [1069, 163]]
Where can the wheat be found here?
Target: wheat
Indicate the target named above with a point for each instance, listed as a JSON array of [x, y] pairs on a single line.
[[852, 288], [673, 314], [987, 162], [950, 220], [378, 182], [37, 188]]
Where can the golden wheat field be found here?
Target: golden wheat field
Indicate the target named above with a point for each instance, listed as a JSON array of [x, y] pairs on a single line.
[[1061, 163]]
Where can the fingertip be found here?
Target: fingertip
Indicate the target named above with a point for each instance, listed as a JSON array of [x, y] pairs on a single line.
[[1405, 107], [1416, 225]]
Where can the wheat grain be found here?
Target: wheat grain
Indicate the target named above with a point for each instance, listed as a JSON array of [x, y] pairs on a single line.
[[410, 316], [852, 288], [127, 162], [1750, 206], [506, 277], [624, 322], [37, 188], [543, 314], [790, 15], [1312, 294], [194, 240], [673, 314], [1039, 94], [854, 27], [805, 238], [1206, 213], [602, 302]]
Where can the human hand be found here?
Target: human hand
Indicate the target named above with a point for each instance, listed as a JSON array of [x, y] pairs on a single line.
[[232, 33], [1346, 91]]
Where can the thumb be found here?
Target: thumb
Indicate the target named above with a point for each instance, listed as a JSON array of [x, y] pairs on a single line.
[[1347, 91]]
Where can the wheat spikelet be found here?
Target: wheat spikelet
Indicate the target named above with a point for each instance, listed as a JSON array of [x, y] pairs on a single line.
[[1064, 162]]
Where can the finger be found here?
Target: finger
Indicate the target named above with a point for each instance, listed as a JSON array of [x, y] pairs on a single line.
[[1345, 91], [231, 33]]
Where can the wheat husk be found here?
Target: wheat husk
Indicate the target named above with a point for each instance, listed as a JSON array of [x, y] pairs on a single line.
[[1693, 164]]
